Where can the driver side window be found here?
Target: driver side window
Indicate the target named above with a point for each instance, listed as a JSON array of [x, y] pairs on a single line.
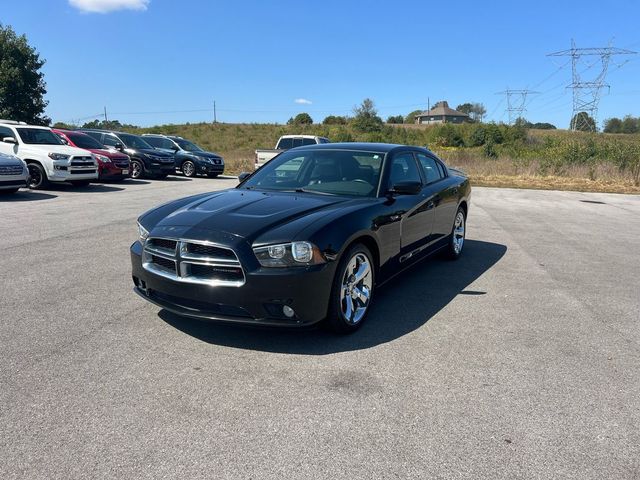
[[404, 169]]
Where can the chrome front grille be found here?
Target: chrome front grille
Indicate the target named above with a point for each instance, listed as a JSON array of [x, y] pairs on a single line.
[[11, 170], [192, 261], [82, 162]]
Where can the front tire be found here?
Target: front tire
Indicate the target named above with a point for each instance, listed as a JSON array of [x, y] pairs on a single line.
[[37, 177], [188, 168], [137, 169], [352, 290], [456, 241]]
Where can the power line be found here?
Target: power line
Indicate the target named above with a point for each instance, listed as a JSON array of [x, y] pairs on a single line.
[[516, 102], [587, 93]]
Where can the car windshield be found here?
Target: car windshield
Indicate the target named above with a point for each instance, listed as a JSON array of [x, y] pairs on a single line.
[[334, 172], [38, 136], [134, 141], [84, 141], [188, 146]]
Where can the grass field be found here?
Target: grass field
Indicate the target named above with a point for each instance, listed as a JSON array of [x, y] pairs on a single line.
[[492, 155]]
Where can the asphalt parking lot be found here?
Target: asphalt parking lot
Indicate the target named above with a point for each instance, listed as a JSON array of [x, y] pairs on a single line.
[[522, 360]]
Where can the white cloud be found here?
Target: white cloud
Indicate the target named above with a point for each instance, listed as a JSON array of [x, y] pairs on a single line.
[[303, 101], [106, 6]]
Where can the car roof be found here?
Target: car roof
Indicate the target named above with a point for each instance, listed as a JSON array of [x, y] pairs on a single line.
[[24, 125], [301, 136], [99, 130], [363, 146]]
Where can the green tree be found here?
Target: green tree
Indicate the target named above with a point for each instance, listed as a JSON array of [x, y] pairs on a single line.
[[476, 111], [334, 120], [395, 119], [411, 117], [22, 85], [366, 117], [583, 122], [301, 119], [630, 124], [612, 125]]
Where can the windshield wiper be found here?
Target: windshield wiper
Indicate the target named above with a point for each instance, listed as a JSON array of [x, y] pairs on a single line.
[[304, 190]]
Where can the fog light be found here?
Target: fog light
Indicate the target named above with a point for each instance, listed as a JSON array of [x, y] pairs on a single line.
[[288, 311]]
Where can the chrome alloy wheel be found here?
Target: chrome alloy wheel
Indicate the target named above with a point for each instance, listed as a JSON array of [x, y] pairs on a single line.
[[188, 168], [458, 233], [136, 170], [355, 291]]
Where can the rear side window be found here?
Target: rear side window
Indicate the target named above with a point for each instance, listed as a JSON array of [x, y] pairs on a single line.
[[96, 135], [155, 142], [308, 141], [285, 143], [297, 142], [432, 171], [110, 140], [404, 169]]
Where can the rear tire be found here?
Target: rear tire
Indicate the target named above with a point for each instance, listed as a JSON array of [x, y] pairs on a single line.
[[352, 290], [37, 177], [457, 237], [188, 168]]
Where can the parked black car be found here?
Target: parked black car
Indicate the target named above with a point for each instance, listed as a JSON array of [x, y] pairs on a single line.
[[308, 236], [190, 159], [146, 161]]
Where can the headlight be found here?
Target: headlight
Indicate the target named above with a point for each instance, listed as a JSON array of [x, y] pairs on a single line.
[[143, 233], [289, 255], [205, 159], [102, 158], [58, 156]]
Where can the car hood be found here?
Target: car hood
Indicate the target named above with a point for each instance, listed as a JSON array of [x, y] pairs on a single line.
[[112, 154], [242, 213], [152, 152], [203, 154], [9, 160], [62, 149]]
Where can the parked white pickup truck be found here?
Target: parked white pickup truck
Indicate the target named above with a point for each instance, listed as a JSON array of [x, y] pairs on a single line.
[[285, 143], [47, 158]]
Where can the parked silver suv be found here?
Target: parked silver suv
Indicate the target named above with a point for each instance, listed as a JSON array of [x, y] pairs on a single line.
[[13, 173]]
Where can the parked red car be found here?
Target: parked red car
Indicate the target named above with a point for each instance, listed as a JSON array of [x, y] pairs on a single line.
[[112, 165]]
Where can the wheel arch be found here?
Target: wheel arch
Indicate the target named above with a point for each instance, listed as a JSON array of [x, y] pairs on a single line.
[[369, 242]]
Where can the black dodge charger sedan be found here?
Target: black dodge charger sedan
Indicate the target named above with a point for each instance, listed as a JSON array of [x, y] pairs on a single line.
[[307, 237]]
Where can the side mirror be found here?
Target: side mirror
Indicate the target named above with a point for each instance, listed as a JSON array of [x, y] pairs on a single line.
[[405, 188], [9, 140], [119, 146], [243, 176]]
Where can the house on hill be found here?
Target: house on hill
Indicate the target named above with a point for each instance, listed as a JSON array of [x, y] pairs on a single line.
[[441, 113]]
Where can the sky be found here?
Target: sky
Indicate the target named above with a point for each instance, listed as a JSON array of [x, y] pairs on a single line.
[[155, 62]]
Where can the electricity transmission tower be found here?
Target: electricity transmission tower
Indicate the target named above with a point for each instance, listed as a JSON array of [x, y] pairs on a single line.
[[586, 93], [516, 102]]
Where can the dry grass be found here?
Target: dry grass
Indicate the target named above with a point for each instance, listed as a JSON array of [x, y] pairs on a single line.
[[237, 143]]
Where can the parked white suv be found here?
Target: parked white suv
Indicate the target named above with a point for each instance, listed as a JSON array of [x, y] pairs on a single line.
[[47, 158], [13, 173]]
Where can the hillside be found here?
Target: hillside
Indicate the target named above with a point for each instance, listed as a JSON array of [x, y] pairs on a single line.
[[494, 155]]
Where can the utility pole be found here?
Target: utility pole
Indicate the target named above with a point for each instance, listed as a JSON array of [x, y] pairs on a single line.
[[215, 119], [516, 102], [586, 93], [105, 115]]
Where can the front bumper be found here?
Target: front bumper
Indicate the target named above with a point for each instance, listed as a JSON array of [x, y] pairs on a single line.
[[206, 168], [109, 171], [259, 301], [161, 168], [13, 181]]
